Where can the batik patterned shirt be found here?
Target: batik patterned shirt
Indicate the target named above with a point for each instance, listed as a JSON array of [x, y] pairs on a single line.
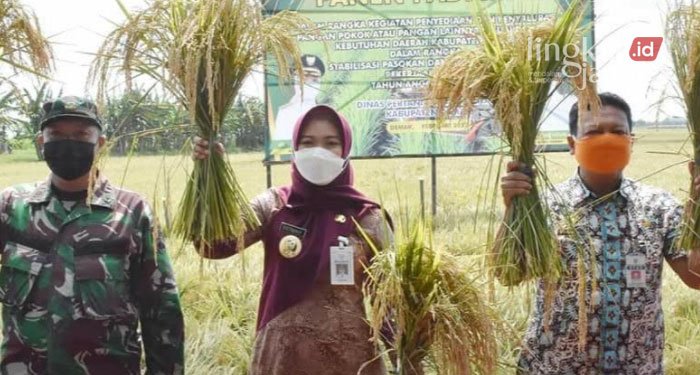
[[78, 281], [622, 240]]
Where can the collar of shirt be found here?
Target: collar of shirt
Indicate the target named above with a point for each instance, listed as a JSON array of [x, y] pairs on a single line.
[[103, 196], [578, 191]]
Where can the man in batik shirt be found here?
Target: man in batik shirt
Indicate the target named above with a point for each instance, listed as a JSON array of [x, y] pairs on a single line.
[[80, 272], [624, 230]]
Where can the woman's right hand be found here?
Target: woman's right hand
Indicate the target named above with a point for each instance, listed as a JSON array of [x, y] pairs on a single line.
[[514, 183], [201, 148]]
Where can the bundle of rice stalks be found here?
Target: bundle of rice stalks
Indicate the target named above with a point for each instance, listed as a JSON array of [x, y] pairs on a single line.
[[438, 314], [201, 51], [22, 46], [513, 69], [683, 38]]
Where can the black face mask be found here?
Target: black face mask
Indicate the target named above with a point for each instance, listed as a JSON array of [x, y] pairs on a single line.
[[69, 159]]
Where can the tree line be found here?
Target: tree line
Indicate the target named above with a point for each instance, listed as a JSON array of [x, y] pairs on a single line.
[[136, 121]]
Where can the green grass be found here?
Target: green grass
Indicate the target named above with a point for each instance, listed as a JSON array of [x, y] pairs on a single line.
[[220, 299]]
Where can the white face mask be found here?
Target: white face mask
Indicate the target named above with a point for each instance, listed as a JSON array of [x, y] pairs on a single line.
[[318, 165], [311, 92]]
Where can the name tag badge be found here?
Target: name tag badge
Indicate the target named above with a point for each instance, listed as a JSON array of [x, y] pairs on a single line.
[[636, 271], [292, 230], [342, 265]]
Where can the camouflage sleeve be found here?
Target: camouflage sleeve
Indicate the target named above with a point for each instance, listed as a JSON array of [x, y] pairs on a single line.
[[264, 205], [162, 325], [4, 216]]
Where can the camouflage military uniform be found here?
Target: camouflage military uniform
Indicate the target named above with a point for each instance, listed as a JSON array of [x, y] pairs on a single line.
[[75, 282]]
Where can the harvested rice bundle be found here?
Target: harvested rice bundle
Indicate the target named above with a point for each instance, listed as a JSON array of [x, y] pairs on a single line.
[[202, 51], [439, 314], [22, 46], [513, 69], [683, 36]]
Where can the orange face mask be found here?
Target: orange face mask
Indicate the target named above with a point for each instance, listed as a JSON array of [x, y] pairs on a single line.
[[605, 154]]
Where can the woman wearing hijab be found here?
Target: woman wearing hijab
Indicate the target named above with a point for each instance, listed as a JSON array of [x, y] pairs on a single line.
[[311, 317]]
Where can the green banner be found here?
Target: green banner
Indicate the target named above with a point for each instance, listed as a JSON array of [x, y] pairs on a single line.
[[371, 61]]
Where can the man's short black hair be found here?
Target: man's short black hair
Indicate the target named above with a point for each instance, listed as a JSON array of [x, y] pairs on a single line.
[[606, 98]]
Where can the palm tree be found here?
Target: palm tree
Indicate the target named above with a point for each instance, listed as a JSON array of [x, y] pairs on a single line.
[[22, 49], [29, 108], [139, 121], [7, 119]]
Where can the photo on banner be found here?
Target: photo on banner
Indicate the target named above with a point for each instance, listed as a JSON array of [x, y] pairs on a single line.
[[371, 59]]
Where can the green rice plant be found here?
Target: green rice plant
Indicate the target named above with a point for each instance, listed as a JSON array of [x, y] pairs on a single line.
[[332, 92], [366, 129], [516, 77], [22, 46], [439, 316], [445, 143], [366, 124], [683, 38], [201, 51], [413, 143], [221, 343]]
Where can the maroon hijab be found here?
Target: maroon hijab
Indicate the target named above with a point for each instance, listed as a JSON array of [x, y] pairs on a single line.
[[314, 209]]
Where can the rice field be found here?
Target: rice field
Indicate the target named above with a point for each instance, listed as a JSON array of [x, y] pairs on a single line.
[[220, 297]]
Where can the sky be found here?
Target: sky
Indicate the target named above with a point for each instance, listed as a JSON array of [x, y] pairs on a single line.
[[76, 28]]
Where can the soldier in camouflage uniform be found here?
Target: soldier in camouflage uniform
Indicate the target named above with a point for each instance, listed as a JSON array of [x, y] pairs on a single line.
[[76, 278]]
